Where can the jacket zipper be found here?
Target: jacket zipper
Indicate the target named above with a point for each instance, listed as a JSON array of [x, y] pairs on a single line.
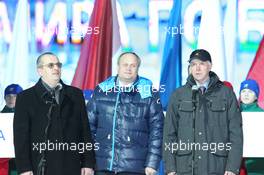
[[113, 132]]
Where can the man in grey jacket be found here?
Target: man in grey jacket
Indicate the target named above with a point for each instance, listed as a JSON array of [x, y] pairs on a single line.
[[203, 127]]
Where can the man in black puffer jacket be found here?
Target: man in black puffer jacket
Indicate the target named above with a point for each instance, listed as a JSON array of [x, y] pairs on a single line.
[[126, 120]]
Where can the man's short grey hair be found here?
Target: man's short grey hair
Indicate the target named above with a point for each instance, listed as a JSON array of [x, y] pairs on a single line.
[[38, 62], [133, 53]]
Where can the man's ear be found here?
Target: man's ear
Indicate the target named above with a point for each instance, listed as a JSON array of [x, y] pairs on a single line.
[[39, 70], [117, 68], [255, 97], [210, 65]]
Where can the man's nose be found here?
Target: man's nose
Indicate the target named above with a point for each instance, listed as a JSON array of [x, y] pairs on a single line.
[[56, 67], [198, 67]]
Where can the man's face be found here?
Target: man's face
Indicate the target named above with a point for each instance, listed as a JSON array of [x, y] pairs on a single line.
[[248, 96], [200, 70], [128, 68], [50, 69], [10, 100]]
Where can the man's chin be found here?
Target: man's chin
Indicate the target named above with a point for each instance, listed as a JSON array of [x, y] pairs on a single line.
[[11, 106], [247, 102], [57, 79], [197, 78]]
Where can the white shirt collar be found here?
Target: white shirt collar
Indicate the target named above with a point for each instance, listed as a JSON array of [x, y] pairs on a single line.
[[205, 84]]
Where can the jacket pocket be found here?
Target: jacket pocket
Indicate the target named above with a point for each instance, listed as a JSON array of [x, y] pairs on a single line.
[[133, 146], [183, 161], [219, 149], [103, 137], [186, 109], [184, 151], [217, 162], [217, 105], [134, 139], [217, 112], [186, 106]]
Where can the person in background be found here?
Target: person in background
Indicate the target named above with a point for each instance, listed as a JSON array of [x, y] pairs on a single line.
[[7, 165], [249, 93], [11, 92]]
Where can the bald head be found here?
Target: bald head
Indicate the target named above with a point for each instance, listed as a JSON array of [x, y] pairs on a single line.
[[127, 69], [131, 54]]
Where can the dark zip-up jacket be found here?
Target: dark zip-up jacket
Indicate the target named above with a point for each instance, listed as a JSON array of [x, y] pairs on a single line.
[[127, 124], [211, 122]]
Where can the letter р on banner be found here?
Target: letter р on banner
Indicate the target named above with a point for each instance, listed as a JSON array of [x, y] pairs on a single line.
[[6, 135]]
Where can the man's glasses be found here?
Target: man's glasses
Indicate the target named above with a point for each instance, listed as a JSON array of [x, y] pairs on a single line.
[[51, 65]]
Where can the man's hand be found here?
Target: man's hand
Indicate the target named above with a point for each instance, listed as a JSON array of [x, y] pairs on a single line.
[[27, 173], [172, 173], [87, 171], [150, 171], [229, 173]]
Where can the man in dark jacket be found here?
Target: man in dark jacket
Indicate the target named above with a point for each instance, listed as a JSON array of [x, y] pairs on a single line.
[[203, 126], [51, 129], [126, 120]]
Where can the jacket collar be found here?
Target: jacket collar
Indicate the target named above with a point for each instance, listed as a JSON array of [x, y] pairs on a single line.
[[6, 109], [139, 85], [42, 91], [213, 83], [249, 107]]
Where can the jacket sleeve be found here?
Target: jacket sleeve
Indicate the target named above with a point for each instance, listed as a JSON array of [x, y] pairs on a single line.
[[21, 129], [170, 136], [156, 118], [88, 157], [235, 136], [92, 113]]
